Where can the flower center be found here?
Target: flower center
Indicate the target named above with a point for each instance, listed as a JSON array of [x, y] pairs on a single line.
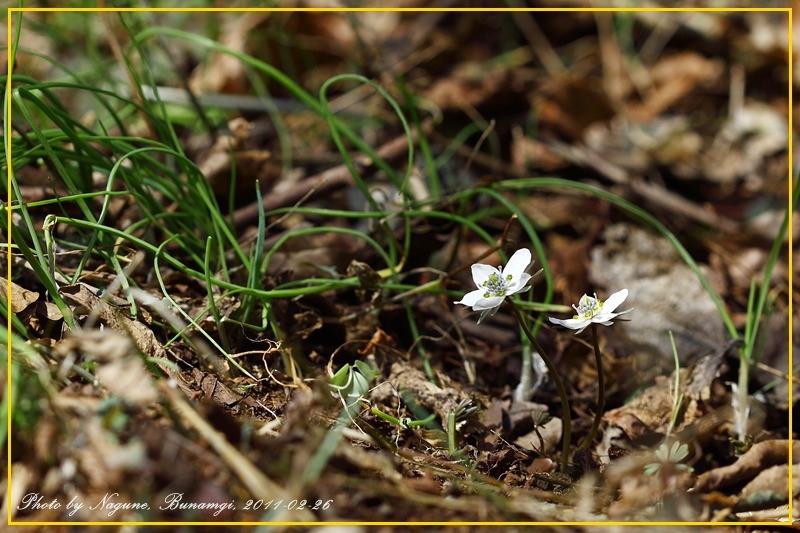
[[495, 285], [588, 307]]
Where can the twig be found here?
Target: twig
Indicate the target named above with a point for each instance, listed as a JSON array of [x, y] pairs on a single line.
[[653, 193], [330, 180], [251, 476], [500, 243]]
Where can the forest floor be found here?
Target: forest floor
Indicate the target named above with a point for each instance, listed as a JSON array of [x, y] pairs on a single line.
[[238, 239]]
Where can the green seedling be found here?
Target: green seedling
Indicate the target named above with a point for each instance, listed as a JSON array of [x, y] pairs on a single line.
[[351, 382], [669, 459]]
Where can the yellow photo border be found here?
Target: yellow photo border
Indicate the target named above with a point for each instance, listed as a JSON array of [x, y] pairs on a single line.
[[12, 10]]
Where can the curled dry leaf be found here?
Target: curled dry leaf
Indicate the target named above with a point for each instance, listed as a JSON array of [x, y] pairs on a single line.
[[21, 298], [647, 414], [769, 489], [761, 456], [85, 301]]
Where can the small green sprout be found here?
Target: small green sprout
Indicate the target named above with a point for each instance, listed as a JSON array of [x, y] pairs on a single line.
[[463, 411], [540, 417], [669, 459], [351, 383]]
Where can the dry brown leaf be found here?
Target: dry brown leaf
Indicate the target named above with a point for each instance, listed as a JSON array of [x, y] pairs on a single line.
[[754, 132], [761, 456], [215, 389], [546, 440], [638, 146], [674, 77], [302, 256], [21, 298], [468, 87], [570, 105], [769, 489], [703, 373], [104, 461], [648, 413], [527, 153], [49, 311], [120, 370], [83, 298]]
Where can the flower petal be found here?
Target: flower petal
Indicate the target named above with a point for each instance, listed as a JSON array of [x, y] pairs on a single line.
[[604, 318], [614, 300], [517, 290], [518, 285], [481, 273], [518, 264], [470, 298], [487, 303], [488, 312], [571, 323]]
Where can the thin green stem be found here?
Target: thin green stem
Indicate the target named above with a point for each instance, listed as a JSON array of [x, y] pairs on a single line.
[[402, 422], [566, 420], [451, 433], [426, 360], [601, 393]]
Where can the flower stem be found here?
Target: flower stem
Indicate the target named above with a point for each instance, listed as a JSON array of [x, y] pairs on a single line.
[[566, 421], [523, 391], [601, 393]]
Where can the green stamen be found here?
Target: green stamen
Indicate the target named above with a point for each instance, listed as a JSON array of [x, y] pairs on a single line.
[[495, 285], [588, 307]]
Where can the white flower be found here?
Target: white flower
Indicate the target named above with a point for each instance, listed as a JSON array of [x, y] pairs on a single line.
[[593, 311], [494, 285]]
